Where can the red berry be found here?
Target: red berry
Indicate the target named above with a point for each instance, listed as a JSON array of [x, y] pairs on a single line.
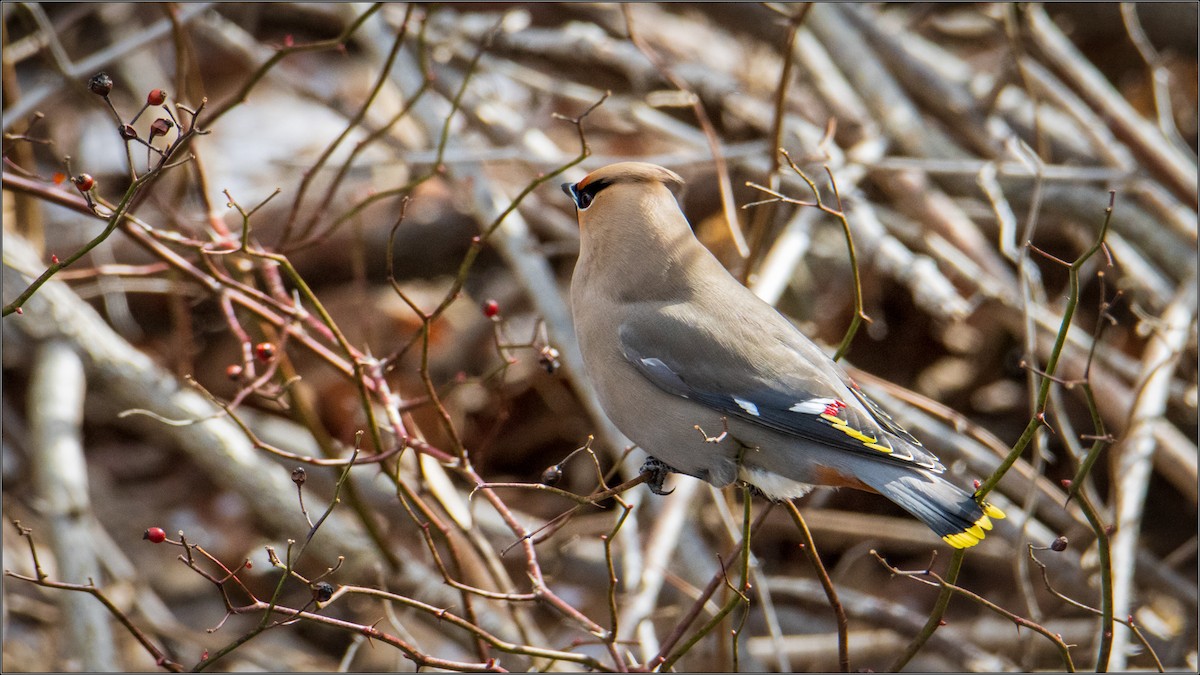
[[264, 351], [288, 40], [59, 177], [160, 127], [491, 308], [156, 97], [977, 483], [234, 372], [1066, 483], [53, 259], [154, 535], [84, 182]]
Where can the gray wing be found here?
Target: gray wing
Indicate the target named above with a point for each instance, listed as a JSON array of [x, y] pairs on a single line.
[[766, 373]]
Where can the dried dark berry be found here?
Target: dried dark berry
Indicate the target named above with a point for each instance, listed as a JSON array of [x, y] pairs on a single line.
[[299, 475], [322, 591], [1059, 544], [552, 475], [127, 132], [100, 84], [548, 358], [160, 127]]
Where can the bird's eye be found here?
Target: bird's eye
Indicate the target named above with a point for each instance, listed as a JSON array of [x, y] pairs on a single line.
[[584, 196], [583, 199]]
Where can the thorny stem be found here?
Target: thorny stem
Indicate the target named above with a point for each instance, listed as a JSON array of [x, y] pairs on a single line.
[[613, 580], [357, 119], [42, 579], [761, 225], [283, 52], [1128, 623], [1106, 628], [934, 580], [1031, 428], [351, 354], [293, 559], [114, 219], [436, 166], [839, 612], [741, 593], [1052, 362], [839, 213], [232, 291], [739, 596], [454, 620], [710, 132], [935, 616]]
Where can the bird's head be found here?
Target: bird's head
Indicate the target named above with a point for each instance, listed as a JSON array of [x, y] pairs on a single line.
[[623, 185]]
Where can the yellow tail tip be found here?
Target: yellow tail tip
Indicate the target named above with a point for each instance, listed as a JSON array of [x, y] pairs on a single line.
[[992, 511], [975, 533], [962, 539]]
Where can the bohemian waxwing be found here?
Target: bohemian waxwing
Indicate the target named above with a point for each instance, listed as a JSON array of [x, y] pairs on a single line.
[[713, 382]]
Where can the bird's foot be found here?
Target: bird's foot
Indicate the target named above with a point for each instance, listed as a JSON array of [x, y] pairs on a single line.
[[658, 471], [756, 491]]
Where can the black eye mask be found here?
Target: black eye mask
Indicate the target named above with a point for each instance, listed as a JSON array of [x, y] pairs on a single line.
[[583, 198]]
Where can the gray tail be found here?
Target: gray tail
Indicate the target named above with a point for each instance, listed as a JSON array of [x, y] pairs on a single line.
[[948, 510]]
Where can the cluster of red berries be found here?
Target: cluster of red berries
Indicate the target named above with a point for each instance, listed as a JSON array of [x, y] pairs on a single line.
[[264, 352], [101, 84]]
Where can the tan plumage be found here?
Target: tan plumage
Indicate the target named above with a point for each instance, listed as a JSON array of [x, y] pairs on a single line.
[[673, 342]]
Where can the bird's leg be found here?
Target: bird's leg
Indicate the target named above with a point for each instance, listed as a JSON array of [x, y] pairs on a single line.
[[754, 489], [658, 471]]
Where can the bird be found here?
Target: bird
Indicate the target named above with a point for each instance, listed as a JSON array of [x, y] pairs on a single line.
[[712, 382]]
